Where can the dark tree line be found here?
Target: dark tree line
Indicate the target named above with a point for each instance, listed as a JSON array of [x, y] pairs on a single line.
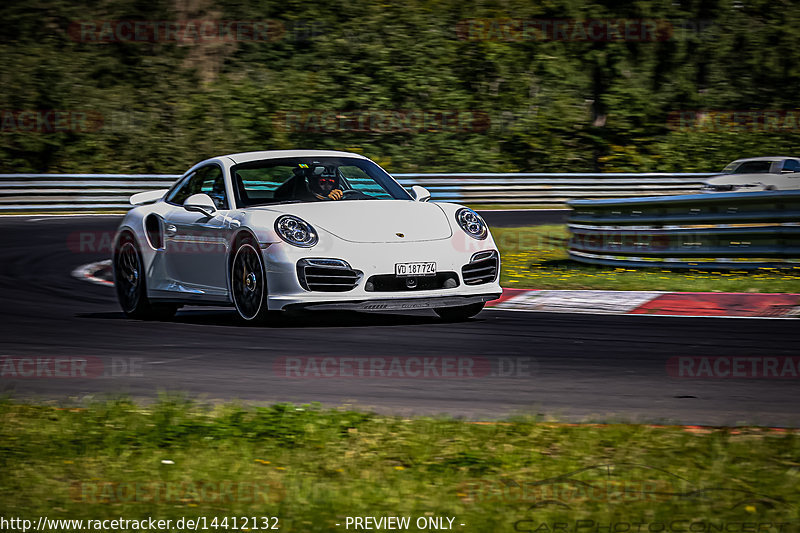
[[422, 85]]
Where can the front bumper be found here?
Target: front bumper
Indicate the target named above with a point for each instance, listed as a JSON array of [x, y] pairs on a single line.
[[285, 292], [395, 304]]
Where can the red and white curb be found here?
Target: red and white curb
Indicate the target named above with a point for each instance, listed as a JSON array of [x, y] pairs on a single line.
[[92, 272], [703, 304], [707, 304], [595, 302]]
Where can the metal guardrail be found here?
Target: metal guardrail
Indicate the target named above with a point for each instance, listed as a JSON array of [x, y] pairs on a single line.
[[715, 230], [75, 192], [110, 192]]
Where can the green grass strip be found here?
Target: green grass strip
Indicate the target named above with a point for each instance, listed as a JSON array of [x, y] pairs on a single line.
[[536, 258], [313, 467]]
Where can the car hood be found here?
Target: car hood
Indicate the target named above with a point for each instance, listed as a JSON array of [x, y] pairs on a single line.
[[374, 220]]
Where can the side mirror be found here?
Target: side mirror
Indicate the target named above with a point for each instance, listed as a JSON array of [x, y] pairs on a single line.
[[201, 203], [420, 194]]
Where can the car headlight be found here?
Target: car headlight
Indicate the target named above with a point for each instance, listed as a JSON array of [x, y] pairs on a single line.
[[296, 231], [472, 223]]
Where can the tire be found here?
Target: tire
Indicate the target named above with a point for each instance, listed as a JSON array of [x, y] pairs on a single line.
[[463, 312], [131, 285], [249, 283]]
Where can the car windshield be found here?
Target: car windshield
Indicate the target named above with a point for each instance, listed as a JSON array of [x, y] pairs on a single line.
[[312, 179], [748, 167]]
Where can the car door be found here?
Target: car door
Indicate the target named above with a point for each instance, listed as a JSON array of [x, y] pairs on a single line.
[[196, 244]]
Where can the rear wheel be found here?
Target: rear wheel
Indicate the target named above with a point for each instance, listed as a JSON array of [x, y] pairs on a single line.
[[249, 283], [461, 312], [131, 286]]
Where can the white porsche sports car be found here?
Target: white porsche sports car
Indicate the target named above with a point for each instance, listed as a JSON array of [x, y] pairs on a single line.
[[282, 230]]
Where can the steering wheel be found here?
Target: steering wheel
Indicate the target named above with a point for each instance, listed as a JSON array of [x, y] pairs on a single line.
[[350, 193]]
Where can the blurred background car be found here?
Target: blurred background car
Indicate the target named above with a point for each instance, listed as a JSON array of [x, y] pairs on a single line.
[[757, 174]]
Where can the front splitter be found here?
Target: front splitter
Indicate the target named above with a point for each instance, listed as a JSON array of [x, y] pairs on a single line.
[[397, 304]]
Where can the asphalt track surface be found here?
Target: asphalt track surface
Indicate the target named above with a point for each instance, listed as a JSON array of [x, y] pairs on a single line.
[[571, 367]]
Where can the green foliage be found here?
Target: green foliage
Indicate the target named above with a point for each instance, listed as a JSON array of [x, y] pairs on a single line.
[[107, 460], [553, 105]]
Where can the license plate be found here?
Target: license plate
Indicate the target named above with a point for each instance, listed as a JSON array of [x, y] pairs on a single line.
[[404, 270]]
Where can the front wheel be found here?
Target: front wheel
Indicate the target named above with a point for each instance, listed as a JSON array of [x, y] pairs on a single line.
[[461, 312], [249, 283], [130, 283]]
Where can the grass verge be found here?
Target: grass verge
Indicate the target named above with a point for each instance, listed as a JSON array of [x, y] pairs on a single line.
[[536, 258], [312, 468]]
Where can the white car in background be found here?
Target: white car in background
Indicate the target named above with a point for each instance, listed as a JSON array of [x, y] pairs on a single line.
[[757, 174], [281, 230]]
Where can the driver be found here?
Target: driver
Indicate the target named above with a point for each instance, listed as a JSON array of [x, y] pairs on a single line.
[[324, 183]]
